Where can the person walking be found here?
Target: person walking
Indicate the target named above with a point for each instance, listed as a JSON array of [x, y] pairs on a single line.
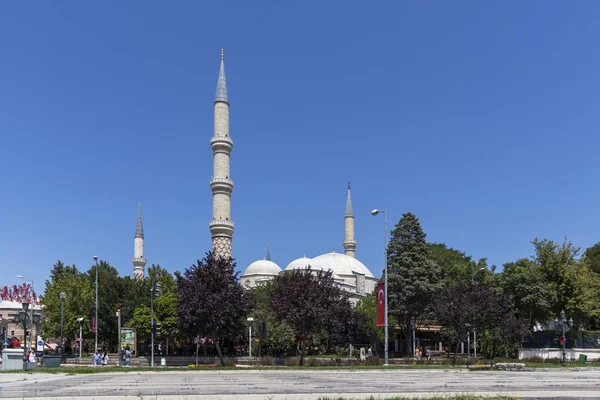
[[105, 359], [96, 358], [127, 357]]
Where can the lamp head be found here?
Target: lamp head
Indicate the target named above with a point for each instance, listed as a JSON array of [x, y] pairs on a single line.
[[95, 258], [80, 319], [563, 315], [571, 322], [25, 305], [374, 212], [20, 276], [250, 319], [63, 295]]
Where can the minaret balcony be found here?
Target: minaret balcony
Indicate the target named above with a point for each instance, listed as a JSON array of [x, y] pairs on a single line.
[[221, 227], [349, 244], [138, 261], [221, 185], [221, 144]]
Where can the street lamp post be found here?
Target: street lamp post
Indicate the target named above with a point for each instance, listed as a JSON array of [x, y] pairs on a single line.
[[80, 320], [23, 317], [563, 323], [250, 320], [118, 337], [62, 318], [28, 280], [96, 316], [474, 327], [155, 289], [385, 307]]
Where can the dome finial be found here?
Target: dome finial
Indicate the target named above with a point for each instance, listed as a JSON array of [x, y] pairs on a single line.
[[348, 184], [269, 251]]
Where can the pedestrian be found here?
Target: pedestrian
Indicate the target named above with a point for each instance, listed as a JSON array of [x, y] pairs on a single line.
[[428, 352], [369, 352], [127, 357], [97, 358], [105, 359]]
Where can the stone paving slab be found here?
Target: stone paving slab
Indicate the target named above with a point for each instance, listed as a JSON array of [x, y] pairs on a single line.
[[303, 384]]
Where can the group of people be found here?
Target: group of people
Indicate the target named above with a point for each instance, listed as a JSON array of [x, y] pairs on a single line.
[[31, 357], [100, 359], [419, 354], [103, 360]]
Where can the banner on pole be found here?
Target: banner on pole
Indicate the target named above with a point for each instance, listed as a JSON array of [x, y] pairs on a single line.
[[380, 304]]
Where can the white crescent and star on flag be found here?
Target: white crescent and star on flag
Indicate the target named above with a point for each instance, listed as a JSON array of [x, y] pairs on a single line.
[[380, 296]]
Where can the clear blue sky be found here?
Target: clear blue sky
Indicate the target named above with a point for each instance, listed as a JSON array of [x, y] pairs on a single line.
[[479, 117]]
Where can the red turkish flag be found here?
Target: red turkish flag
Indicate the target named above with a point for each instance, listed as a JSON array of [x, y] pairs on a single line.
[[380, 304]]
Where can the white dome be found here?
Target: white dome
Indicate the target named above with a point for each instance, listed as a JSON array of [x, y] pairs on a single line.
[[342, 264], [262, 267], [303, 263]]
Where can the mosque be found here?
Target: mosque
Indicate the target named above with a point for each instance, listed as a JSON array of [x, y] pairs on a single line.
[[349, 273]]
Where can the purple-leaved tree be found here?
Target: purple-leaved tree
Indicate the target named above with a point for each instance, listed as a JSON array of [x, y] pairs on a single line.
[[211, 301], [309, 302]]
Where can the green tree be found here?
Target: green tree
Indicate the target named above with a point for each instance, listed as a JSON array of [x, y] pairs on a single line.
[[456, 266], [375, 334], [591, 256], [413, 277], [77, 304], [530, 294], [211, 301], [141, 321]]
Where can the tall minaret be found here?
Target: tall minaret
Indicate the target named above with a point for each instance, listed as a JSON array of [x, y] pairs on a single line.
[[138, 248], [349, 242], [221, 227]]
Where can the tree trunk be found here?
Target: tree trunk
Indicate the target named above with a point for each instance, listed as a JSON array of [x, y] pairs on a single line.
[[455, 352], [219, 352], [408, 336], [302, 353]]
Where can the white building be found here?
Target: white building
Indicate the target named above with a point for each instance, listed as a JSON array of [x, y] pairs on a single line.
[[349, 273]]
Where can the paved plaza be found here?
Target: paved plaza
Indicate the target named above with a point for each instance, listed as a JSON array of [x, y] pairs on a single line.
[[300, 384]]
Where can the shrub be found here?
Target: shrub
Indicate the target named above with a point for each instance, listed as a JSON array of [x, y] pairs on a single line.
[[266, 361], [229, 362], [291, 362], [312, 362], [374, 360]]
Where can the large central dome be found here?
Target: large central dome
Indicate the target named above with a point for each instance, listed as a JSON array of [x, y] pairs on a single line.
[[342, 264]]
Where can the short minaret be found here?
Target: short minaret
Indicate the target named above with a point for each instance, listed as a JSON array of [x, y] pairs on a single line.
[[349, 242], [269, 252], [139, 262], [221, 227]]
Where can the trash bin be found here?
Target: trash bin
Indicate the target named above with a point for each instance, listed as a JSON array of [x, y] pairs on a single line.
[[582, 359], [51, 361]]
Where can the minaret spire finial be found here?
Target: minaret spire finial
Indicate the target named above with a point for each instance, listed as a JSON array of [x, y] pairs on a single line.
[[139, 262], [269, 252], [221, 94], [139, 229], [349, 211], [349, 242]]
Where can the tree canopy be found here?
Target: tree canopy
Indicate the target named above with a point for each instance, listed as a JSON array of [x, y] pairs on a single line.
[[211, 302], [414, 278]]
